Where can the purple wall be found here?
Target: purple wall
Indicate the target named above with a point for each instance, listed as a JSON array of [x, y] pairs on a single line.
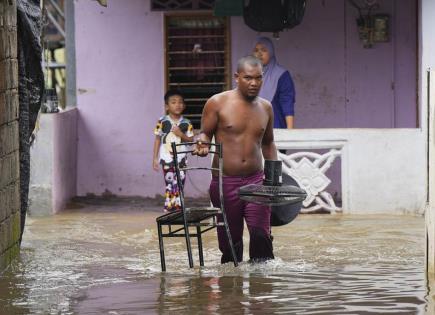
[[338, 82], [120, 81], [119, 53]]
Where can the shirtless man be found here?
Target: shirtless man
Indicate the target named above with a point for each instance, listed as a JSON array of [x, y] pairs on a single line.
[[243, 123]]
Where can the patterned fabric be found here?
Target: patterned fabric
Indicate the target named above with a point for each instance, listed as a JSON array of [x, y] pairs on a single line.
[[163, 129], [172, 192]]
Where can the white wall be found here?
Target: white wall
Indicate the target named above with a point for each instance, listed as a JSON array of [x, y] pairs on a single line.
[[41, 168], [427, 62], [383, 170]]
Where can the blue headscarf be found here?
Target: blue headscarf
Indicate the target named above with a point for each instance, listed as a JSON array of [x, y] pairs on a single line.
[[271, 72]]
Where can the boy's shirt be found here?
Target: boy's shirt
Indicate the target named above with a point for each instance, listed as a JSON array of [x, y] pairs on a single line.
[[163, 129]]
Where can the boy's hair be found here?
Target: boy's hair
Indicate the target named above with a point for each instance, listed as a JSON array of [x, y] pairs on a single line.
[[172, 93]]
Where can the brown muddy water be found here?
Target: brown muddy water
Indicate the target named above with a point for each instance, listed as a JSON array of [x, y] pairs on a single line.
[[104, 259]]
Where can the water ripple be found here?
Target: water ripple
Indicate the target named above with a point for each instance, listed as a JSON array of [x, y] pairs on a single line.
[[89, 263]]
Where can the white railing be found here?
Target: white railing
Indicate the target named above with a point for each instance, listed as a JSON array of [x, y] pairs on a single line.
[[308, 170]]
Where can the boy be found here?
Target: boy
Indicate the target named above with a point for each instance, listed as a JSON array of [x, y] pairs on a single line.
[[172, 127]]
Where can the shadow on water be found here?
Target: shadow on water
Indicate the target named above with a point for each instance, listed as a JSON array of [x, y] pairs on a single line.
[[105, 260]]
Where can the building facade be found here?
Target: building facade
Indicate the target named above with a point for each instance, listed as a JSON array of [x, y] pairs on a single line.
[[344, 92]]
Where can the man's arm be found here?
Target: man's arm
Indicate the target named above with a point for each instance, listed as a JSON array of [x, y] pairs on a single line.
[[209, 122], [268, 144]]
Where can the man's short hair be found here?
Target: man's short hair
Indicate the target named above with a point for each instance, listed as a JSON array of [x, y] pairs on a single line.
[[250, 60], [170, 93]]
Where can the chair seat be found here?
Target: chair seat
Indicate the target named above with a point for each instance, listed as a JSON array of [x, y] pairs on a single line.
[[204, 209], [194, 215], [167, 217]]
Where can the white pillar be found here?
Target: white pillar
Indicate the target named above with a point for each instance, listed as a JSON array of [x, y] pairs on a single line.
[[427, 106]]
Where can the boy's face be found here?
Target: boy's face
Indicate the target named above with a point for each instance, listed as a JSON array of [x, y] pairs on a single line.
[[175, 105]]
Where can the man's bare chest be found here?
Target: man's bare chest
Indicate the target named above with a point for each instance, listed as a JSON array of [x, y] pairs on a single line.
[[250, 122]]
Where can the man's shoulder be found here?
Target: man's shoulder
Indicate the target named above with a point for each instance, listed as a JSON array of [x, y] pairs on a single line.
[[219, 99], [221, 96], [264, 102]]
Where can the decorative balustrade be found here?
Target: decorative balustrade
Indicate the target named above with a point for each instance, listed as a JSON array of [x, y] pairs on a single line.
[[308, 170]]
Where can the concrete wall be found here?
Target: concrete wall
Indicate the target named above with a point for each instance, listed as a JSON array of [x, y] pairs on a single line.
[[382, 171], [9, 141], [64, 158], [340, 84], [120, 96], [41, 168], [120, 78], [53, 171]]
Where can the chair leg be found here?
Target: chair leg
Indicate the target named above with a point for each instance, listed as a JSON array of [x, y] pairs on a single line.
[[188, 243], [162, 250], [230, 240], [201, 254]]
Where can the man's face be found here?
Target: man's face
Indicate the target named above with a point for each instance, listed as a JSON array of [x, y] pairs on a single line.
[[261, 52], [249, 80]]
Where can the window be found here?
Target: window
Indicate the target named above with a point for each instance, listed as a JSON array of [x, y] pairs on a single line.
[[166, 5], [197, 59]]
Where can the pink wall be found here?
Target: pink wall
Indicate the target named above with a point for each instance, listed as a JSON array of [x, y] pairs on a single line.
[[120, 81]]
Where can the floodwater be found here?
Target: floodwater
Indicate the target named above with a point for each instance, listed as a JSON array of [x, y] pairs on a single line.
[[104, 259]]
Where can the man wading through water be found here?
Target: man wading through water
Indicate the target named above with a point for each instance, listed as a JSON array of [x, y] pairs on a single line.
[[243, 123]]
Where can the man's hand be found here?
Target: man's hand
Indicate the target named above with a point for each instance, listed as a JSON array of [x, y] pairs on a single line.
[[156, 165], [201, 149]]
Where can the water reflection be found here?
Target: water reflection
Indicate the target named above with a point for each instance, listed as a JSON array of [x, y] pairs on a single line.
[[105, 260], [350, 291]]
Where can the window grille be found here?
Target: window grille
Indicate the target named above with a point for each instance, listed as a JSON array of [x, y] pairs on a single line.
[[169, 5], [197, 59]]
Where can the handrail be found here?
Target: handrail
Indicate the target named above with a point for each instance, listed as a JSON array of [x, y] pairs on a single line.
[[199, 168], [195, 142], [57, 8]]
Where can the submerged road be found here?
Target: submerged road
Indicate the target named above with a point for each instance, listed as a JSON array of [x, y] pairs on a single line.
[[103, 258]]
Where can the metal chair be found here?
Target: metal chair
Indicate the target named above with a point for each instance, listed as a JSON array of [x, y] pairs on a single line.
[[203, 219]]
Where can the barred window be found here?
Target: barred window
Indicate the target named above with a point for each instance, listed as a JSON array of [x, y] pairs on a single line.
[[167, 5], [197, 59]]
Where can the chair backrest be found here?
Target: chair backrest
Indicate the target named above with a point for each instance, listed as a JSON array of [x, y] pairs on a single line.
[[187, 148]]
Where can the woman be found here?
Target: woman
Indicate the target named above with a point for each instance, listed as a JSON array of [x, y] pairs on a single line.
[[278, 87]]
